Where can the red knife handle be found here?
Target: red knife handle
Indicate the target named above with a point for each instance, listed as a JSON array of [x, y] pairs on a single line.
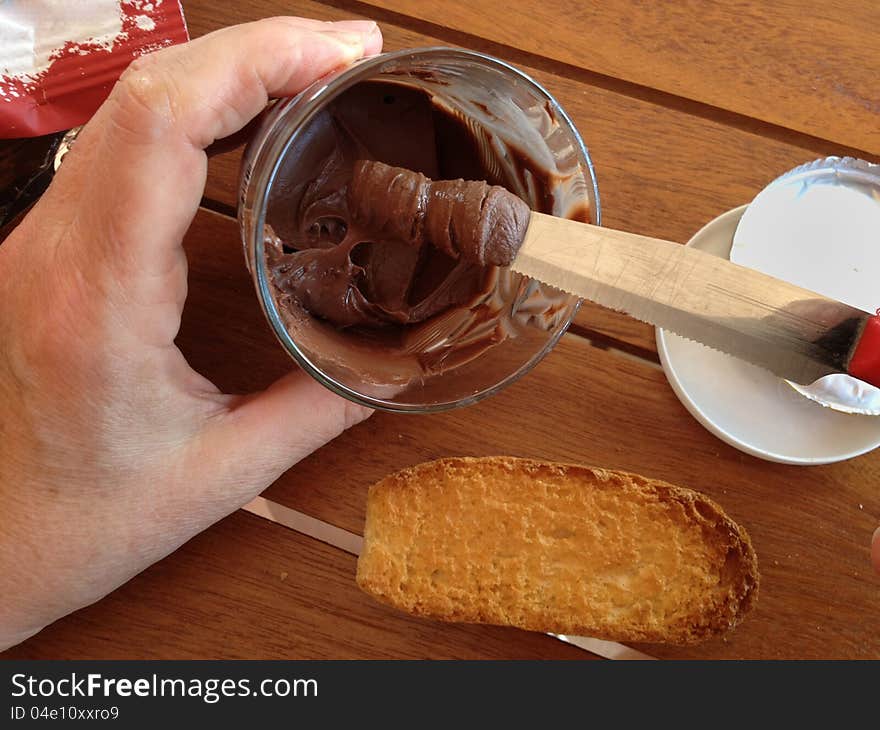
[[864, 362]]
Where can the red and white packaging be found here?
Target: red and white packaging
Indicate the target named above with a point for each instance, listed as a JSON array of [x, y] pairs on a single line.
[[59, 59]]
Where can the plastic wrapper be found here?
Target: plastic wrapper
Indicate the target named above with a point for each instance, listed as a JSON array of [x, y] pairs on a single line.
[[59, 59]]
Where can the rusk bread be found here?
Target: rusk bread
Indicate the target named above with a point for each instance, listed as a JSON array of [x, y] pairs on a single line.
[[556, 548]]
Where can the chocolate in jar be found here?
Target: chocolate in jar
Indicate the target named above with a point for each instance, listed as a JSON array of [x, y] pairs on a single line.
[[397, 314]]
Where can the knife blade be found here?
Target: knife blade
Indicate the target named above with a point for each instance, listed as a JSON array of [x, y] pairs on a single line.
[[793, 332]]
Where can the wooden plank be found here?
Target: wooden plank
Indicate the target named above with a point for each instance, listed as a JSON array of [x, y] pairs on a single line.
[[661, 172], [811, 526], [805, 65], [248, 589]]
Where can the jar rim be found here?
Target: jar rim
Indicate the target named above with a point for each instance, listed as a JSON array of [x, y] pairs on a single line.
[[254, 197]]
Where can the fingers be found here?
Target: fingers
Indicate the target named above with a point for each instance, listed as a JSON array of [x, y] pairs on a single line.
[[143, 150], [263, 435]]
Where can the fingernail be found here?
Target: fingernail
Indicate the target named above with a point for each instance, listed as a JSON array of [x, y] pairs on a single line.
[[366, 27], [350, 39]]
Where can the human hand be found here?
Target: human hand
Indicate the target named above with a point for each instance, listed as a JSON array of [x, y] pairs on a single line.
[[113, 451]]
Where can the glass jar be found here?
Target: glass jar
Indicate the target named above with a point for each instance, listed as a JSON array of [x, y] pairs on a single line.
[[511, 115]]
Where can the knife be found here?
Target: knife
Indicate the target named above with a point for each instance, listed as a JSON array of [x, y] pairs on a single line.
[[793, 332]]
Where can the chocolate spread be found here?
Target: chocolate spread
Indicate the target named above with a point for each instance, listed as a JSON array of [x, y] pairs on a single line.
[[472, 220], [358, 288]]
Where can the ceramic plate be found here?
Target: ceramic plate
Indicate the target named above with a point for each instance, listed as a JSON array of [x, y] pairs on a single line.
[[748, 407]]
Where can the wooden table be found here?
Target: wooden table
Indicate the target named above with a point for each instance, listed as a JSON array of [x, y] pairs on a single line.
[[688, 111]]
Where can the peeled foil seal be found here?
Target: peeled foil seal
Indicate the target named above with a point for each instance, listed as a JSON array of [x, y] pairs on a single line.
[[818, 226], [59, 59]]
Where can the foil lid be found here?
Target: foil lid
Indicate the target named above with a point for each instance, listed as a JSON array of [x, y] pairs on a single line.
[[818, 226], [60, 59]]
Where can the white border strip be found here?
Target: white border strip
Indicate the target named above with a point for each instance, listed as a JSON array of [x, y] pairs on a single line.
[[607, 649], [351, 543], [311, 526]]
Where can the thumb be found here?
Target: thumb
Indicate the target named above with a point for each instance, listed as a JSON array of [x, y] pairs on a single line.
[[148, 138], [262, 435]]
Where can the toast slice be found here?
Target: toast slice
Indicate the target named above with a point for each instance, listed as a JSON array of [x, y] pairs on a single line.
[[556, 548]]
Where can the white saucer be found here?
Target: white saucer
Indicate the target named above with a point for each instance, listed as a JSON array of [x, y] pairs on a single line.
[[748, 407]]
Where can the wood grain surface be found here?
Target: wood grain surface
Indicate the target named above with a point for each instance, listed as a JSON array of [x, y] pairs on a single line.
[[247, 588], [803, 64]]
